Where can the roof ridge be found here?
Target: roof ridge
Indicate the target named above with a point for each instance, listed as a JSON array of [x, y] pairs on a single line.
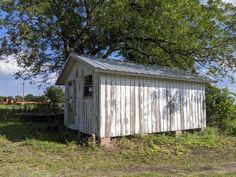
[[109, 64], [139, 64]]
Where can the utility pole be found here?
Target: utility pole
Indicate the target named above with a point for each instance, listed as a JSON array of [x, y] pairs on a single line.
[[23, 90]]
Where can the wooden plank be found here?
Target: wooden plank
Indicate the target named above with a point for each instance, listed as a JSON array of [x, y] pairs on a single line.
[[185, 105], [145, 108], [92, 117], [201, 107], [132, 106], [65, 104], [158, 110], [149, 103], [204, 110], [82, 108], [181, 99], [137, 105], [107, 108], [153, 97], [122, 106], [178, 105], [118, 106], [103, 106], [112, 103], [161, 106], [198, 106], [190, 108], [190, 105], [195, 105], [85, 116], [93, 131], [97, 105], [79, 99], [127, 105], [171, 107], [141, 107], [166, 107]]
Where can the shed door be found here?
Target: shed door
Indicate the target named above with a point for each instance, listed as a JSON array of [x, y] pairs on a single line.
[[71, 101]]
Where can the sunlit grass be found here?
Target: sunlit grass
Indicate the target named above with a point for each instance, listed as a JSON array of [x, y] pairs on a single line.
[[29, 149]]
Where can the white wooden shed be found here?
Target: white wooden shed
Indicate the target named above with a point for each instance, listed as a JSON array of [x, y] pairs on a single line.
[[111, 98]]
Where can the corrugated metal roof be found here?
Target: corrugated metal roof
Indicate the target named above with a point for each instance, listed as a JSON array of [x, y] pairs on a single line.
[[114, 66], [106, 65]]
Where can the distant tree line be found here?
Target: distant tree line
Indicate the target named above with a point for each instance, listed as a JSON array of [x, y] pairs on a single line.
[[51, 101], [28, 97], [52, 95]]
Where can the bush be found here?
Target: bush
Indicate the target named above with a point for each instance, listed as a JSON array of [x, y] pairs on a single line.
[[55, 97], [220, 106], [230, 126]]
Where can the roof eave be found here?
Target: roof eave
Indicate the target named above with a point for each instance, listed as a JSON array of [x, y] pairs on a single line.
[[62, 71], [154, 76]]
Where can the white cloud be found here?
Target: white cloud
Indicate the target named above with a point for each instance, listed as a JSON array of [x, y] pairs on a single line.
[[230, 1], [8, 65]]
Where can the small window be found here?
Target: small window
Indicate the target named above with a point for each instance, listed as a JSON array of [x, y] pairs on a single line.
[[70, 83], [76, 73], [88, 86]]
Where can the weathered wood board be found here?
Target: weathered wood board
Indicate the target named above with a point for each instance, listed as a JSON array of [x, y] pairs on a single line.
[[132, 105]]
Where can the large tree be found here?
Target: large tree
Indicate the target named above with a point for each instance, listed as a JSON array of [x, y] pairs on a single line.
[[185, 34]]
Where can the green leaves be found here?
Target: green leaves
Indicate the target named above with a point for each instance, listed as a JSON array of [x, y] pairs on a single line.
[[182, 34], [220, 106]]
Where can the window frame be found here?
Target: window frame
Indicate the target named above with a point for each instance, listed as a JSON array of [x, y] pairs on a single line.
[[88, 83]]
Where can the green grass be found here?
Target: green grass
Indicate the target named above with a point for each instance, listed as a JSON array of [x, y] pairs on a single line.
[[7, 111], [29, 149]]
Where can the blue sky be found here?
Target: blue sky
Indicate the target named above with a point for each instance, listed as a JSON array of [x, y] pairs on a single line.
[[9, 86]]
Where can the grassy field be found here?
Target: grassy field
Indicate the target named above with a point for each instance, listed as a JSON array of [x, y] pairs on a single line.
[[9, 110], [30, 149]]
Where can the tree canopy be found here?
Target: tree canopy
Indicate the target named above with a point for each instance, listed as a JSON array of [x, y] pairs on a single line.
[[185, 34]]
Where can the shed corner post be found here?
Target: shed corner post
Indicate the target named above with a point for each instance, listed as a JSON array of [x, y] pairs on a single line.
[[104, 141], [178, 132]]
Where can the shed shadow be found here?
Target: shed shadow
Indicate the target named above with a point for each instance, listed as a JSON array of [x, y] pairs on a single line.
[[17, 130]]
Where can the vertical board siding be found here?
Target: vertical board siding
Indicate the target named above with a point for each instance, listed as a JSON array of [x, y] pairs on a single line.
[[132, 105], [87, 112], [122, 111], [102, 106], [127, 106], [137, 104], [118, 106]]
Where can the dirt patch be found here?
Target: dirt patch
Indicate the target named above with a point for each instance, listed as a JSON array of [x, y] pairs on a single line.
[[230, 166], [178, 171]]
